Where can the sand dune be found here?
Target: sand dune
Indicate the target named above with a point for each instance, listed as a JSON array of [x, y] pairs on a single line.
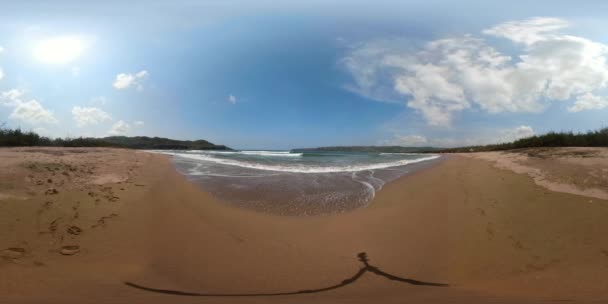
[[76, 224]]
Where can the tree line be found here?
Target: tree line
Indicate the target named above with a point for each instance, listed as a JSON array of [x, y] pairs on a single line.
[[19, 138], [596, 138]]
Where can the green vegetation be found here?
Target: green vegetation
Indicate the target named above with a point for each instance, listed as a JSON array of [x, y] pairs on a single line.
[[597, 138], [19, 138]]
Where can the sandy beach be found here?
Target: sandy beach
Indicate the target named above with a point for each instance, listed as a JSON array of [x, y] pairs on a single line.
[[510, 227]]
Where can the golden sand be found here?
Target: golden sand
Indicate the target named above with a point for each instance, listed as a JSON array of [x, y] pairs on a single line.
[[76, 224]]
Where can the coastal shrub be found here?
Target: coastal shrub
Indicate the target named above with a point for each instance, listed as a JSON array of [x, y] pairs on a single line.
[[597, 138]]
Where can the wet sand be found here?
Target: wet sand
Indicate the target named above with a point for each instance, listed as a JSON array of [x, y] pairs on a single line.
[[493, 235], [299, 194]]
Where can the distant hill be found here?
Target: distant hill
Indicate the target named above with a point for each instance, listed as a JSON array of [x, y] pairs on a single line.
[[151, 143], [378, 149], [18, 138]]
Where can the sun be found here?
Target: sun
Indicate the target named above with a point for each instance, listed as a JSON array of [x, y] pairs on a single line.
[[59, 50]]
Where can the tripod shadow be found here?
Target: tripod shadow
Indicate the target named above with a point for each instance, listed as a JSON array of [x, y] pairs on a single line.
[[362, 258]]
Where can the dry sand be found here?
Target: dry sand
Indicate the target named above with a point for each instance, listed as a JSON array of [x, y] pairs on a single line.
[[576, 170], [77, 223]]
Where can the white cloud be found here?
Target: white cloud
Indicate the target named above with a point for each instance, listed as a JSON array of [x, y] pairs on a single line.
[[514, 134], [528, 31], [141, 74], [451, 75], [232, 99], [89, 116], [138, 123], [120, 128], [589, 102], [32, 112], [11, 97], [27, 111], [125, 80]]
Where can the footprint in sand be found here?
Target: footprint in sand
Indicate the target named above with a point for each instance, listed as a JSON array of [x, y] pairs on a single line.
[[38, 263], [102, 220], [490, 231], [53, 225], [13, 253], [515, 243], [75, 230], [70, 250], [51, 191]]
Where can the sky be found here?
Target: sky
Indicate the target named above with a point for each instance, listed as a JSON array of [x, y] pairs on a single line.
[[291, 74]]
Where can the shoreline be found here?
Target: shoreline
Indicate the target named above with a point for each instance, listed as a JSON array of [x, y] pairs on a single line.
[[493, 235], [280, 204]]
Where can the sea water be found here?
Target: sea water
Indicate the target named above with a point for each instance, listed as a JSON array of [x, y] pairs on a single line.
[[300, 183]]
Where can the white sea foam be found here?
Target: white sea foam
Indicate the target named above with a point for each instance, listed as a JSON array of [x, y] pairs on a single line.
[[272, 153], [397, 153], [208, 157], [254, 153]]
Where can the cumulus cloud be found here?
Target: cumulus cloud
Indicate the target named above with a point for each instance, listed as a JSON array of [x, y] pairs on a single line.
[[32, 112], [232, 99], [27, 111], [138, 123], [125, 80], [589, 102], [89, 116], [451, 75], [120, 128]]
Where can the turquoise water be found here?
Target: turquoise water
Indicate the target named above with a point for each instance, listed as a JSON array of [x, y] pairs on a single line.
[[283, 182]]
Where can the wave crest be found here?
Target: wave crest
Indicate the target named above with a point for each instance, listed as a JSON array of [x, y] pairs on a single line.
[[297, 168]]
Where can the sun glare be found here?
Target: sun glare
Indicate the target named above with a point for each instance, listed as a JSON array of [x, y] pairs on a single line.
[[59, 50]]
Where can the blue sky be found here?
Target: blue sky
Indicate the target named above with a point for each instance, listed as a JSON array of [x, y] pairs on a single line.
[[287, 74]]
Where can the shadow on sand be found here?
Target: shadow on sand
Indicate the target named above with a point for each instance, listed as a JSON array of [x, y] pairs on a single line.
[[362, 258]]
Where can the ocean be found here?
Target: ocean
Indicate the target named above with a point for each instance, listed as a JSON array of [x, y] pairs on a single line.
[[287, 183]]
